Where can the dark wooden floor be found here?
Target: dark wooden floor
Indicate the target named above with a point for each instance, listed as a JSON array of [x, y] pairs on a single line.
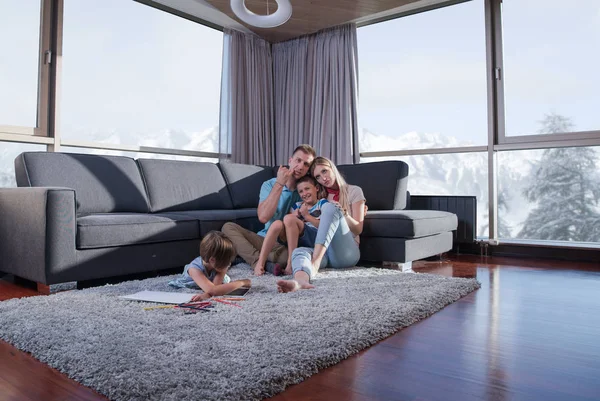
[[532, 332]]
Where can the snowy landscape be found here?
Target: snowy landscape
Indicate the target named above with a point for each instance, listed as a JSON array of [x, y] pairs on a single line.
[[442, 174]]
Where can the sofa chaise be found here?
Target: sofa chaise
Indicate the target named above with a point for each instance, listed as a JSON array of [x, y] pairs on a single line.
[[77, 217]]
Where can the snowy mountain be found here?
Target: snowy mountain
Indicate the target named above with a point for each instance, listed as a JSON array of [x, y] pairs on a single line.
[[458, 174], [441, 174]]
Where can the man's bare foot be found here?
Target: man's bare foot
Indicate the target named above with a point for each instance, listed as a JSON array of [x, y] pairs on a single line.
[[292, 285], [259, 270]]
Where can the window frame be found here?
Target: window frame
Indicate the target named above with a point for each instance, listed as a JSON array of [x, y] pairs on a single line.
[[497, 139], [47, 129]]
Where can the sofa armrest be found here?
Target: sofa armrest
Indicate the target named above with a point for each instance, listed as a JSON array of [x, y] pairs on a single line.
[[465, 208], [37, 232]]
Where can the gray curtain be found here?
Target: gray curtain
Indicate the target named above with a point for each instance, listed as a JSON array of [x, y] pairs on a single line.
[[246, 121], [315, 93]]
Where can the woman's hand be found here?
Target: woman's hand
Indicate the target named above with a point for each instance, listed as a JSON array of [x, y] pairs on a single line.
[[339, 206]]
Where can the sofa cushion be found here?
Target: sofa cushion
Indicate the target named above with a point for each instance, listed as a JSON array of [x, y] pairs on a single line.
[[181, 185], [244, 182], [383, 183], [117, 229], [214, 219], [408, 223], [102, 184]]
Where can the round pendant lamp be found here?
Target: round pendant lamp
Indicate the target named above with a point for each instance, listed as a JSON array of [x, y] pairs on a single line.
[[279, 17]]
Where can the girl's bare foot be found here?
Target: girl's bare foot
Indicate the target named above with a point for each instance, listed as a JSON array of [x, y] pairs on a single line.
[[292, 285], [315, 267]]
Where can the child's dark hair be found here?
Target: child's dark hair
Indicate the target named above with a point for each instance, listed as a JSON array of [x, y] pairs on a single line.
[[308, 178], [321, 191], [216, 245]]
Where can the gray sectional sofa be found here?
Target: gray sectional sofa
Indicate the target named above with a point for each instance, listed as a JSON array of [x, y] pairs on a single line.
[[79, 217]]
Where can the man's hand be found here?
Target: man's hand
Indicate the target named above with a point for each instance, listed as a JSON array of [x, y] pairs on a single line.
[[259, 270], [283, 174]]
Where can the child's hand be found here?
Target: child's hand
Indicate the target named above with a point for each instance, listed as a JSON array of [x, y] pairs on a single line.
[[200, 297], [304, 209], [246, 282]]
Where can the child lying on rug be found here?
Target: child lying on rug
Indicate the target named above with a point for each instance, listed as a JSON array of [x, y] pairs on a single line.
[[298, 228], [208, 271]]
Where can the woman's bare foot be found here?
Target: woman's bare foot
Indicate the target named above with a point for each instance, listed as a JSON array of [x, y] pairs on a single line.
[[292, 285]]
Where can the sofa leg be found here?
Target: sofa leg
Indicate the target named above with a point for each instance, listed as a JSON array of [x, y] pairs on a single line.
[[43, 289], [34, 285], [405, 267]]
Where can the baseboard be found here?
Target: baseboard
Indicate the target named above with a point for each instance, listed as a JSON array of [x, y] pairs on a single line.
[[528, 252]]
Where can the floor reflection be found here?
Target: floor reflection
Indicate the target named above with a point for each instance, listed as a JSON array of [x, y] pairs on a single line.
[[496, 375], [446, 267]]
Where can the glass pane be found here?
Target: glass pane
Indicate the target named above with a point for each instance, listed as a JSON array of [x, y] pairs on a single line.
[[423, 80], [550, 194], [8, 153], [449, 174], [551, 58], [139, 76], [19, 44], [136, 155]]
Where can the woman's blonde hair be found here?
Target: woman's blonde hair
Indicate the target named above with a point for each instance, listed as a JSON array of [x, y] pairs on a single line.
[[339, 179]]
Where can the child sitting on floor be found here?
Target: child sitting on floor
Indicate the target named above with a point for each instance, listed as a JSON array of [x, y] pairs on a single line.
[[208, 271], [302, 224], [304, 212]]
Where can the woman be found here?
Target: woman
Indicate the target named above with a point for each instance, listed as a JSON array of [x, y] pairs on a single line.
[[341, 222]]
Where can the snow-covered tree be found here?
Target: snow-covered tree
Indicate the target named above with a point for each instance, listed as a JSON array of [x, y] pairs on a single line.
[[566, 190]]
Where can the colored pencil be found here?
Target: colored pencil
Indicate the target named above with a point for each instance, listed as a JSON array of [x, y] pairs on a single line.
[[225, 302], [160, 307]]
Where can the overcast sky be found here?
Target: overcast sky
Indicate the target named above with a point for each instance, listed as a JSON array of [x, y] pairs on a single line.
[[130, 68], [427, 72]]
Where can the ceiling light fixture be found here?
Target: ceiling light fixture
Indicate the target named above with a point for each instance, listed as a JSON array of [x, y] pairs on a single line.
[[279, 17]]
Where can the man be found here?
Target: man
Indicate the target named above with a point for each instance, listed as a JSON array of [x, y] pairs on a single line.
[[277, 196]]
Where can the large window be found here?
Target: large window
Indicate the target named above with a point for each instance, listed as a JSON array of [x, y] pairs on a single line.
[[19, 49], [551, 55], [550, 194], [8, 152], [449, 174], [423, 80], [137, 155], [135, 75]]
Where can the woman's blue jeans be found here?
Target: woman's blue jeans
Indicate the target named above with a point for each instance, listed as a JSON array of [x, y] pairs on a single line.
[[335, 235]]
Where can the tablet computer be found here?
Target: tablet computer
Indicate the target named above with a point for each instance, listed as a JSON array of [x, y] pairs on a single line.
[[239, 292]]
